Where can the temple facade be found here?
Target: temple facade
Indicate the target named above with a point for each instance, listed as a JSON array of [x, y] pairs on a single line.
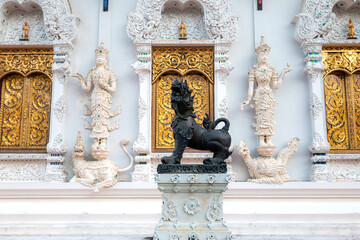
[[86, 114]]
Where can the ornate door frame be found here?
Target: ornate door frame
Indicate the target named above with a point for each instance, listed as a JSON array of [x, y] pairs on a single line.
[[60, 30], [143, 28], [316, 26]]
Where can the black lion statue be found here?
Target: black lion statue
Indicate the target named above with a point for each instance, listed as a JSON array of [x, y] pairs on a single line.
[[188, 133]]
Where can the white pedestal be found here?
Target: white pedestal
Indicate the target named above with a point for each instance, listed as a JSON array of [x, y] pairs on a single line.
[[192, 207]]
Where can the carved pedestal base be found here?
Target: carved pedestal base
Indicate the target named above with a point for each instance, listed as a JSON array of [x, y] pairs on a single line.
[[266, 151], [192, 207]]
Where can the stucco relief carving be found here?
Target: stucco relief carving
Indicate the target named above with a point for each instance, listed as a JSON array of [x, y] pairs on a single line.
[[223, 108], [140, 144], [169, 211], [57, 145], [316, 106], [12, 22], [315, 19], [267, 169], [22, 170], [319, 144], [142, 108], [344, 11], [58, 25], [344, 170], [59, 109], [144, 23], [171, 18]]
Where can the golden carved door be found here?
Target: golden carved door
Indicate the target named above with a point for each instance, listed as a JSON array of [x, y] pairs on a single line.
[[342, 101], [25, 112], [193, 64]]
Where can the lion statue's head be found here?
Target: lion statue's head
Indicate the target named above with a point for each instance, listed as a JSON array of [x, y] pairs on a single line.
[[181, 99]]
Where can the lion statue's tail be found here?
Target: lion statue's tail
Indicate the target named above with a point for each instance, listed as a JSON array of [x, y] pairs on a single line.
[[212, 125]]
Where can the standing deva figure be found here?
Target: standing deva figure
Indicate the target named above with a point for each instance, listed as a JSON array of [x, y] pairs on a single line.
[[25, 31], [104, 81], [351, 29], [182, 30], [264, 101]]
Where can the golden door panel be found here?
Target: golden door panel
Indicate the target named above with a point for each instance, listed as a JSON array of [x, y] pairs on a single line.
[[12, 91], [202, 92], [25, 112], [354, 115], [39, 110], [342, 96]]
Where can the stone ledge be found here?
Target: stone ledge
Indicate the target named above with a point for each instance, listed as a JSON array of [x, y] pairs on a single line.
[[142, 190]]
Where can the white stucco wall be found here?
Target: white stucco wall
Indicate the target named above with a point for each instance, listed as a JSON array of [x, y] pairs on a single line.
[[292, 115]]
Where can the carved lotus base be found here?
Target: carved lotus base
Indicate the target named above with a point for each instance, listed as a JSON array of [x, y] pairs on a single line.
[[266, 151], [192, 206], [99, 154]]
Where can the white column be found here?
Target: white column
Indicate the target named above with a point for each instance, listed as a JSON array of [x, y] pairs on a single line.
[[320, 146], [56, 146], [142, 145]]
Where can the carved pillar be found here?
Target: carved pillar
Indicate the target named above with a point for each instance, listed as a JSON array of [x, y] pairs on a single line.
[[222, 69], [320, 146], [142, 145], [56, 146]]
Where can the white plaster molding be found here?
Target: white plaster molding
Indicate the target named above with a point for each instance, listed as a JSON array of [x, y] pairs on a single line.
[[147, 27], [141, 190], [27, 169], [339, 156], [24, 156], [345, 170], [133, 209]]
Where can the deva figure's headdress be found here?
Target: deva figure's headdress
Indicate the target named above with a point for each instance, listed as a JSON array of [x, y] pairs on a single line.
[[101, 50], [263, 47]]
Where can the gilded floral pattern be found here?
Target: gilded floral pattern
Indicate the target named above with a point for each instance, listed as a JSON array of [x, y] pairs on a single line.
[[26, 60]]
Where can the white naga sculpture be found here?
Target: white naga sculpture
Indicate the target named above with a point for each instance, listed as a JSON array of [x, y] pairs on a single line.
[[98, 174], [265, 168], [102, 172]]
